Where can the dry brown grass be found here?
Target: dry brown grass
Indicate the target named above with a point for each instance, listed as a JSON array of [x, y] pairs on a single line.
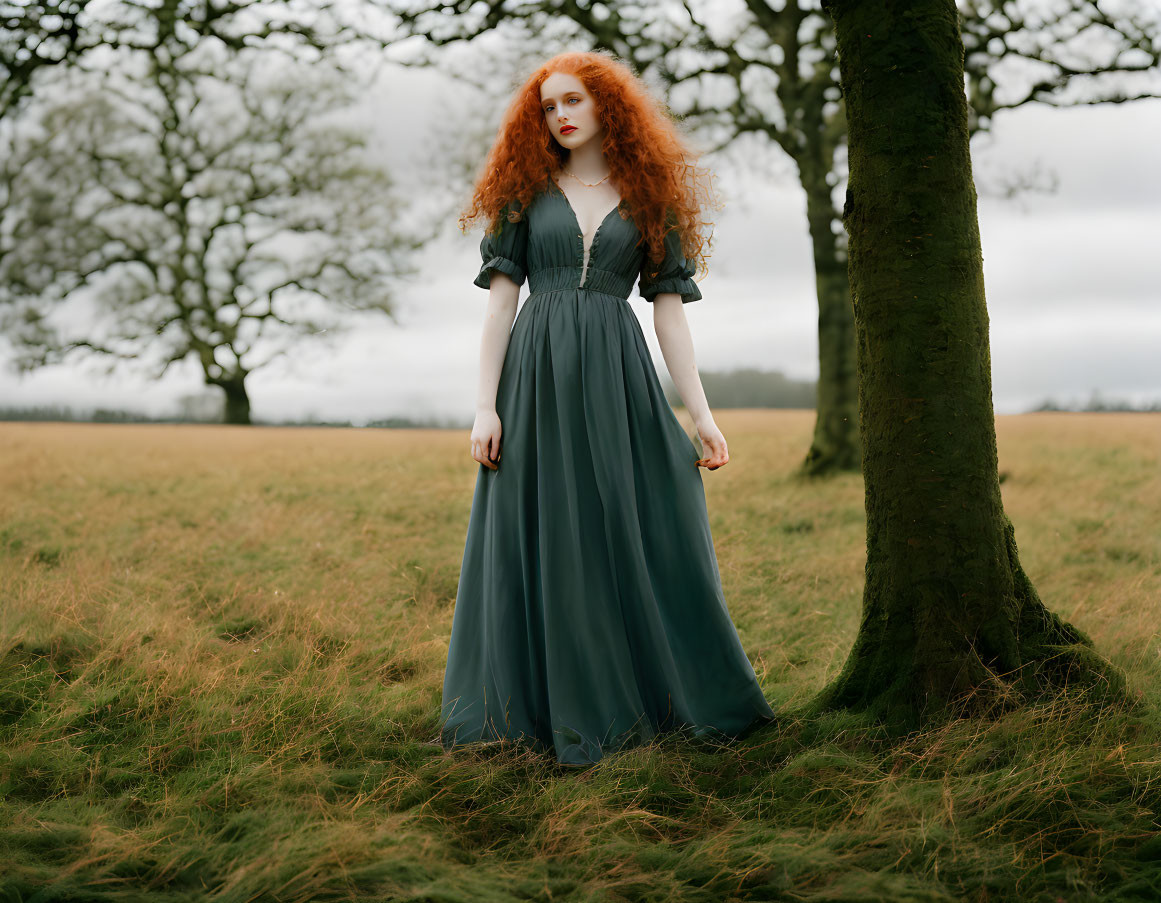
[[224, 651]]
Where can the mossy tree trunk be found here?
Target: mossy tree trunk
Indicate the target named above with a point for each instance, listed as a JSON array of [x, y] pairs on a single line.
[[835, 445], [950, 620]]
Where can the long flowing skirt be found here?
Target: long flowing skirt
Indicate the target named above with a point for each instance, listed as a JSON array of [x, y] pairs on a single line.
[[589, 614]]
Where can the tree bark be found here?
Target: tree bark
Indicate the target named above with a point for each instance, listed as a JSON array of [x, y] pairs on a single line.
[[835, 447], [237, 409], [950, 623]]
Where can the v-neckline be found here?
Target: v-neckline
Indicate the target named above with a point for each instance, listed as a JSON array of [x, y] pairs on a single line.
[[576, 219], [586, 253]]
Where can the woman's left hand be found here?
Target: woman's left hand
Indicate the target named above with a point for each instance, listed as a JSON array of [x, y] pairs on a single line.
[[713, 440]]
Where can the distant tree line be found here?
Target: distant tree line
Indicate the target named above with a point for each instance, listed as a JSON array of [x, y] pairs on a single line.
[[743, 388], [751, 388], [67, 413], [1096, 403]]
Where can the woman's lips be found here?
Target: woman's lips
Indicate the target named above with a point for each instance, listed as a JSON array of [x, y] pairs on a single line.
[[566, 129]]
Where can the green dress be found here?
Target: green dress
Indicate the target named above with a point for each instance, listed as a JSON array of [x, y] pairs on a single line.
[[589, 614]]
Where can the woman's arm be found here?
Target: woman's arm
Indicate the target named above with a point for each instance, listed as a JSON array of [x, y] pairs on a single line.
[[503, 294], [501, 311], [677, 348]]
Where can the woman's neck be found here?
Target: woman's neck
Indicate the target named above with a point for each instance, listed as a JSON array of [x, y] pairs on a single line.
[[588, 162]]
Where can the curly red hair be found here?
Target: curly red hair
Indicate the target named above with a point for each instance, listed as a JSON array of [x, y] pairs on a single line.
[[649, 159]]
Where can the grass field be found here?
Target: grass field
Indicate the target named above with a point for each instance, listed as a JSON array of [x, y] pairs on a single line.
[[222, 654]]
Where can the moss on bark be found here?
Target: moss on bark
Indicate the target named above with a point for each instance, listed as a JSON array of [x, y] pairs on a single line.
[[950, 619]]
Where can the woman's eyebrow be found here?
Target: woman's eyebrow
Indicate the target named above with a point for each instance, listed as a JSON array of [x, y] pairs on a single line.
[[566, 94]]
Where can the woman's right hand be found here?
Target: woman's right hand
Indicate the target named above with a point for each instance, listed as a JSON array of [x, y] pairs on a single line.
[[486, 439]]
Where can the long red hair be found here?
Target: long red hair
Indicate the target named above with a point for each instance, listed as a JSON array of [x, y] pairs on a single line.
[[650, 160]]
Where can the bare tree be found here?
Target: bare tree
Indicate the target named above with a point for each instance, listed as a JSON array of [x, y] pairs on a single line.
[[40, 35], [210, 206], [35, 36], [769, 70]]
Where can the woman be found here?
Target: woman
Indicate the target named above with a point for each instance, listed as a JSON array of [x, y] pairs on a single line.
[[590, 615]]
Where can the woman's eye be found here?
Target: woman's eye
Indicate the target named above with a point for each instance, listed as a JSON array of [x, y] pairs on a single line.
[[548, 108]]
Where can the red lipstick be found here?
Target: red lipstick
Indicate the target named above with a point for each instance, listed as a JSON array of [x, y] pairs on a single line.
[[565, 129]]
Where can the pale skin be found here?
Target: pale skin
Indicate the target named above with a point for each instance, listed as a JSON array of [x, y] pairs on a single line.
[[566, 102]]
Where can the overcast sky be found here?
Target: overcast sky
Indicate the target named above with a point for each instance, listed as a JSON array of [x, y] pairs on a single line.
[[1073, 282]]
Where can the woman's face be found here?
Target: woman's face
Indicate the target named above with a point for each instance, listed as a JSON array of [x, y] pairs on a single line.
[[569, 110]]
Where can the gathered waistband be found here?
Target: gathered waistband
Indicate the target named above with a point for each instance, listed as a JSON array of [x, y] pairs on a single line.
[[605, 282]]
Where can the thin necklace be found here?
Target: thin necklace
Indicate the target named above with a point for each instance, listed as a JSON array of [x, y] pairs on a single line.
[[586, 184]]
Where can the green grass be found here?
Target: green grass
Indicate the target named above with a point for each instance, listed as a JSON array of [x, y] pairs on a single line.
[[221, 654]]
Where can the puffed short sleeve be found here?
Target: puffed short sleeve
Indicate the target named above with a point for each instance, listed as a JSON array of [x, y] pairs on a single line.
[[675, 275], [506, 249]]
